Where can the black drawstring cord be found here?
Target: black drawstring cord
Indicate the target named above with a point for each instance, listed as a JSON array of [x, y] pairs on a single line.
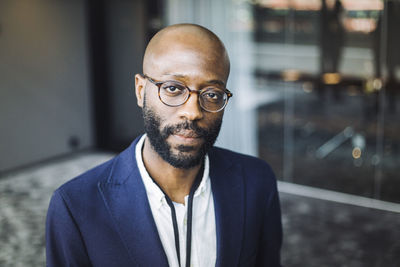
[[194, 187]]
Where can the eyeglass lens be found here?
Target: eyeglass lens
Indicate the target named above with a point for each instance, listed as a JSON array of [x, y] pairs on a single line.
[[175, 94]]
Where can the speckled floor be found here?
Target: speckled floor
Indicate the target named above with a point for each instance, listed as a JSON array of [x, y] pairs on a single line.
[[24, 198], [316, 232], [324, 233]]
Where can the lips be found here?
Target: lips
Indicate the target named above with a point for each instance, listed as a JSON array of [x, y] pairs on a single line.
[[187, 138], [187, 134]]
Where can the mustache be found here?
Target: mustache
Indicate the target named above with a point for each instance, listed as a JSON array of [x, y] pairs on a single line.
[[195, 130]]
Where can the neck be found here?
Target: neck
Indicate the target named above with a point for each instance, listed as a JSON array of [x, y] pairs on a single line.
[[175, 182]]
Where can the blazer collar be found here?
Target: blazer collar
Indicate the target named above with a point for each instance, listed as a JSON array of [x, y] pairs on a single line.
[[126, 200], [125, 197]]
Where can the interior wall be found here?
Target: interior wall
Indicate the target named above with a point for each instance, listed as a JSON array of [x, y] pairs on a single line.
[[126, 37], [45, 105]]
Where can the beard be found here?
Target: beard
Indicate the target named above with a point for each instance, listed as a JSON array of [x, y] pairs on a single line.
[[186, 157]]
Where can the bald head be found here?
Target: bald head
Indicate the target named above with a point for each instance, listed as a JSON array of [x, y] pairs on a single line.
[[179, 43]]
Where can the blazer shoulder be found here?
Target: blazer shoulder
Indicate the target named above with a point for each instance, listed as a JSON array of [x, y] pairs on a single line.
[[255, 171], [88, 179], [114, 171], [248, 162]]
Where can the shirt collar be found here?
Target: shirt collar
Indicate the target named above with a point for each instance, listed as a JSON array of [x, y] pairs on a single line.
[[154, 193]]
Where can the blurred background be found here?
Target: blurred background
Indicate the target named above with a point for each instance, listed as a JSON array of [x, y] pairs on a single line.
[[316, 94]]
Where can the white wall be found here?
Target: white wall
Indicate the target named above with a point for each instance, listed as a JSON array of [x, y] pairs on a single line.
[[44, 80]]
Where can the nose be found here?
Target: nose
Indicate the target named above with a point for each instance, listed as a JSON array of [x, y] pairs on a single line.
[[191, 110]]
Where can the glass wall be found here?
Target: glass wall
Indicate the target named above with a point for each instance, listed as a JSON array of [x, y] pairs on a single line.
[[316, 86], [334, 125]]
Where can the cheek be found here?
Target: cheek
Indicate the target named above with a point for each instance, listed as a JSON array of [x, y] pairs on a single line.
[[162, 112], [213, 118]]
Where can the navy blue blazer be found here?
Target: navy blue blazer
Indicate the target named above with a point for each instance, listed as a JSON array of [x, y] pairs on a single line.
[[103, 217]]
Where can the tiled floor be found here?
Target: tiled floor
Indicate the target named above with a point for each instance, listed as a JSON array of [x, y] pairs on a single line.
[[316, 232]]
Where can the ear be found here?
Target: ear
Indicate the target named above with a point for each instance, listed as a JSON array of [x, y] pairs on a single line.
[[140, 83]]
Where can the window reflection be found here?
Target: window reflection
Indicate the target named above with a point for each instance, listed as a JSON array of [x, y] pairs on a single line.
[[335, 65]]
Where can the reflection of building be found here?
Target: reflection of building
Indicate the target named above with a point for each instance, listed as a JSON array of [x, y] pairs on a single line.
[[274, 62], [331, 36], [298, 20], [387, 25], [272, 24]]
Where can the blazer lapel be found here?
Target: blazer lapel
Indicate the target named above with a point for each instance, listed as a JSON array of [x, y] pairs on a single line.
[[125, 197], [228, 192]]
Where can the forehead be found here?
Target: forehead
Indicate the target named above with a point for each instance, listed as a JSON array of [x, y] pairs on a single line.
[[189, 61]]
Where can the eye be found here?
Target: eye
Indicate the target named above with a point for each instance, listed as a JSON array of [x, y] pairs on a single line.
[[213, 95], [172, 89]]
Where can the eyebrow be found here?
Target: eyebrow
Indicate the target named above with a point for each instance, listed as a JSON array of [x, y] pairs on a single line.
[[175, 74], [218, 82]]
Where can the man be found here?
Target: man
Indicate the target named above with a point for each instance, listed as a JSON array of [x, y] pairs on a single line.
[[172, 198]]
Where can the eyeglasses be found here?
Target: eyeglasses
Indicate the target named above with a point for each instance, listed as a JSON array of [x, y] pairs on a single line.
[[174, 94]]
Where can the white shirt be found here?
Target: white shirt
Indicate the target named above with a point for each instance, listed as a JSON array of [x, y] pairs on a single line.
[[204, 240]]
